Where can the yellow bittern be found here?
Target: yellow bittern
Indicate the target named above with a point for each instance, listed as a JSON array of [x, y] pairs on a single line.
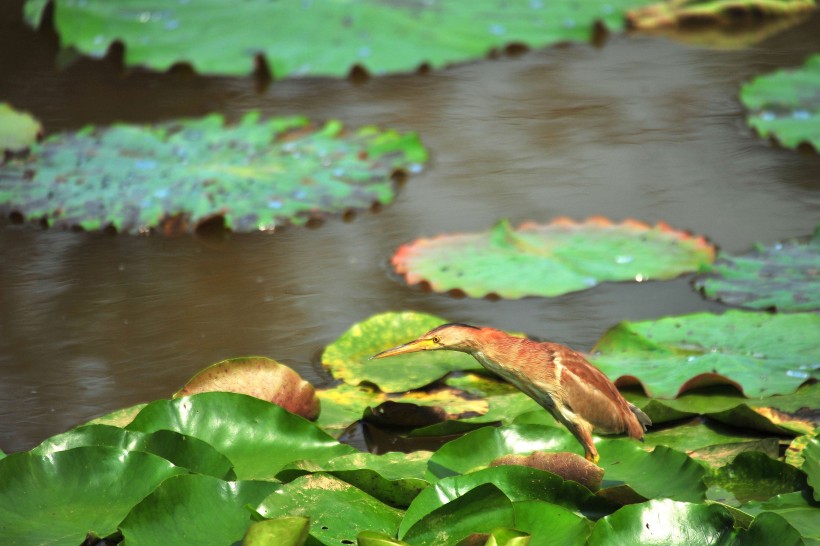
[[561, 380]]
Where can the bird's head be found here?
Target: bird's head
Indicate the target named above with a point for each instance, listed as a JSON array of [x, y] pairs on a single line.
[[454, 336]]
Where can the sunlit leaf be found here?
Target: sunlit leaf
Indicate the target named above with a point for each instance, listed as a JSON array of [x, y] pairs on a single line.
[[200, 509], [285, 531], [258, 437], [18, 130], [811, 465], [518, 483], [118, 418], [759, 353], [337, 510], [797, 508], [184, 451], [784, 276], [261, 377], [479, 510], [348, 356], [319, 38], [784, 105], [550, 259], [57, 498], [393, 478], [716, 12], [253, 175]]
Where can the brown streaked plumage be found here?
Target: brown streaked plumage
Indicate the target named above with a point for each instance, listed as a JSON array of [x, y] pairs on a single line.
[[561, 380]]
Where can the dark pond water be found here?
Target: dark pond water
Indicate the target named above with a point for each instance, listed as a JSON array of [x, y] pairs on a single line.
[[642, 128]]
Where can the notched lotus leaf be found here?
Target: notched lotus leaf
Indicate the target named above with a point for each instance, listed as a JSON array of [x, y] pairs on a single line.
[[177, 176], [758, 353], [567, 465], [319, 38], [785, 105], [783, 277], [550, 259], [18, 130], [348, 358], [260, 377]]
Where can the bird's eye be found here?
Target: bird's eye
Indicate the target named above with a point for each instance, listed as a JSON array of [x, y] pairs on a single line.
[[436, 339]]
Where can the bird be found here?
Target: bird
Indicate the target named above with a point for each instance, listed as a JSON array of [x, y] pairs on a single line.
[[558, 378]]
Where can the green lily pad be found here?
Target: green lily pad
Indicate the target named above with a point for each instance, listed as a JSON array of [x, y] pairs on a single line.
[[118, 418], [287, 531], [60, 497], [184, 451], [200, 509], [337, 510], [518, 483], [550, 259], [348, 356], [548, 523], [679, 523], [175, 176], [261, 377], [758, 353], [796, 508], [318, 38], [393, 478], [18, 130], [811, 465], [785, 106], [784, 277], [756, 476], [258, 437]]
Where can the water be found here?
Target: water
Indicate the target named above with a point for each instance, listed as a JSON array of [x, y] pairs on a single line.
[[642, 128]]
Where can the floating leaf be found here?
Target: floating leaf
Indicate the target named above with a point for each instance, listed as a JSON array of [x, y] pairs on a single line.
[[18, 130], [184, 451], [260, 377], [393, 478], [569, 466], [254, 175], [550, 259], [785, 277], [258, 437], [796, 508], [287, 531], [57, 498], [756, 476], [318, 38], [811, 465], [337, 510], [785, 106], [348, 356], [118, 418], [758, 353], [202, 509], [716, 12]]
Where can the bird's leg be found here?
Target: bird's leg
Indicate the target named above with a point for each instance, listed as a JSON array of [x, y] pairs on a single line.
[[583, 433]]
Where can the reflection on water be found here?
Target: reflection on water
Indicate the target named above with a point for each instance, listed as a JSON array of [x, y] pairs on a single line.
[[644, 128]]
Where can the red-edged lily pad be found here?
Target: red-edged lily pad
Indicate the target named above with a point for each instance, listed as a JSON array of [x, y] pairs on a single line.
[[551, 259]]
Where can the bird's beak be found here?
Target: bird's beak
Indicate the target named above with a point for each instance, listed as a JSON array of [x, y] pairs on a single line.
[[412, 347]]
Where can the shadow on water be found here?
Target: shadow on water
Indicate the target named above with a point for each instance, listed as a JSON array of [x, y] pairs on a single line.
[[642, 127]]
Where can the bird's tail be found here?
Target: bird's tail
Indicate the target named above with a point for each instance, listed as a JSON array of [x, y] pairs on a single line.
[[643, 420]]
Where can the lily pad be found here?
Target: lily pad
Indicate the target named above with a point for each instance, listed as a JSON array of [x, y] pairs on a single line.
[[348, 358], [258, 437], [318, 38], [184, 451], [758, 353], [811, 465], [756, 476], [200, 509], [796, 508], [18, 130], [783, 277], [785, 106], [337, 510], [286, 531], [550, 259], [716, 12], [175, 176], [260, 377], [58, 498]]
